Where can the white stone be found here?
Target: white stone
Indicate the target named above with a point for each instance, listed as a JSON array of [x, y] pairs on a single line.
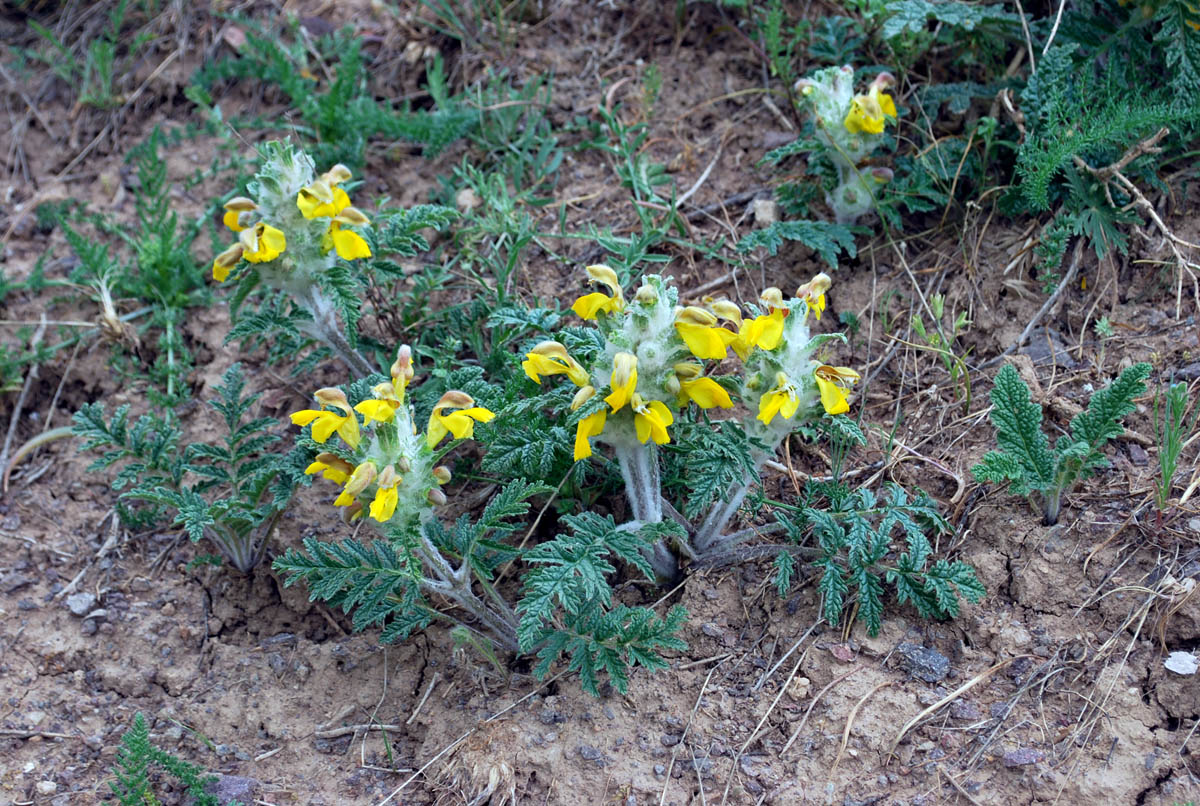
[[1181, 663]]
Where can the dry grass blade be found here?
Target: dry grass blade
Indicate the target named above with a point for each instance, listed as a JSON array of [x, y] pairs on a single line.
[[949, 698]]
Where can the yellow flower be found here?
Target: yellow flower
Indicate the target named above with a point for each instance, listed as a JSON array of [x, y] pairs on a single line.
[[782, 399], [764, 332], [832, 383], [705, 393], [698, 329], [651, 419], [813, 293], [590, 305], [323, 198], [262, 243], [869, 112], [362, 478], [589, 426], [386, 495], [623, 381], [226, 261], [334, 468], [325, 423], [379, 411], [233, 212], [551, 358], [460, 421], [348, 243]]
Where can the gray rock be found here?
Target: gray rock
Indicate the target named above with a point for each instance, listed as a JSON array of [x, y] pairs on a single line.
[[589, 753], [670, 739], [1023, 757], [660, 770], [80, 604], [965, 709], [924, 664], [229, 788]]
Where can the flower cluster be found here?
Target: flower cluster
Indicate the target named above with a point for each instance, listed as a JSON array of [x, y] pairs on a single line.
[[653, 364], [850, 126], [294, 216], [386, 462]]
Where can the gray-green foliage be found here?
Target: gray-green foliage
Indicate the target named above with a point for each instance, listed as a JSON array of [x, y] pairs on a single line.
[[912, 16], [1024, 456], [230, 492], [1173, 429], [857, 554], [137, 755]]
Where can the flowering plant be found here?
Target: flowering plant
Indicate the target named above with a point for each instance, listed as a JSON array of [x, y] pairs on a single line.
[[851, 127], [658, 360]]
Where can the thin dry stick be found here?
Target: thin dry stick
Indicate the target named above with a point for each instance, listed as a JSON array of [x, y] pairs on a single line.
[[767, 674], [30, 377], [333, 733], [1045, 309], [846, 735], [464, 737], [953, 695], [683, 737], [428, 690], [811, 705], [109, 544], [761, 722]]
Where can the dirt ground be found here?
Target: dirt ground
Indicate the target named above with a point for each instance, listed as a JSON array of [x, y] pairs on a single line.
[[1052, 690]]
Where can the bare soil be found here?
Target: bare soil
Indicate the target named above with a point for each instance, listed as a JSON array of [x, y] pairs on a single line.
[[1055, 690]]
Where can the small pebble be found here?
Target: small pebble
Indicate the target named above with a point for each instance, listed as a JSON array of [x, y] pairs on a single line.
[[670, 739], [80, 604], [1023, 757], [46, 787]]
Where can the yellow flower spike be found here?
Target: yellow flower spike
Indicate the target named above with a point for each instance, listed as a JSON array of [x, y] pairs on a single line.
[[551, 358], [460, 421], [832, 383], [589, 305], [782, 399], [362, 478], [348, 243], [705, 393], [262, 243], [321, 200], [225, 261], [332, 467], [651, 420], [623, 380], [386, 496]]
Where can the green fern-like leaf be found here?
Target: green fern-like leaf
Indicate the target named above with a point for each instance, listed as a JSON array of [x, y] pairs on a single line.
[[827, 239], [1018, 423], [1101, 420], [913, 15]]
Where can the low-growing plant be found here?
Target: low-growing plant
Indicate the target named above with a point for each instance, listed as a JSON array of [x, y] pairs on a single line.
[[1025, 458], [1173, 428], [229, 493], [940, 340], [137, 756]]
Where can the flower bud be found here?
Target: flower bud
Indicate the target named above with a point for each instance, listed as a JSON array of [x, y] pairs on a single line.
[[389, 477], [441, 474], [772, 298], [816, 286], [337, 174], [437, 497], [333, 398], [403, 465], [402, 367], [585, 394], [229, 258], [686, 370], [696, 316], [646, 294], [729, 311], [361, 478], [240, 204]]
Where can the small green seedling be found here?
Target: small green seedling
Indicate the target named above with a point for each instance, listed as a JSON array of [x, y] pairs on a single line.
[[1170, 416], [1025, 457]]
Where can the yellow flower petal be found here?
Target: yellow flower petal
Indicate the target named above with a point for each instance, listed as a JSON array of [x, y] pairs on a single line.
[[706, 393], [833, 397], [705, 342], [589, 305], [384, 505], [588, 427], [651, 421], [220, 271], [376, 411], [230, 219], [348, 243], [623, 381], [303, 418]]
